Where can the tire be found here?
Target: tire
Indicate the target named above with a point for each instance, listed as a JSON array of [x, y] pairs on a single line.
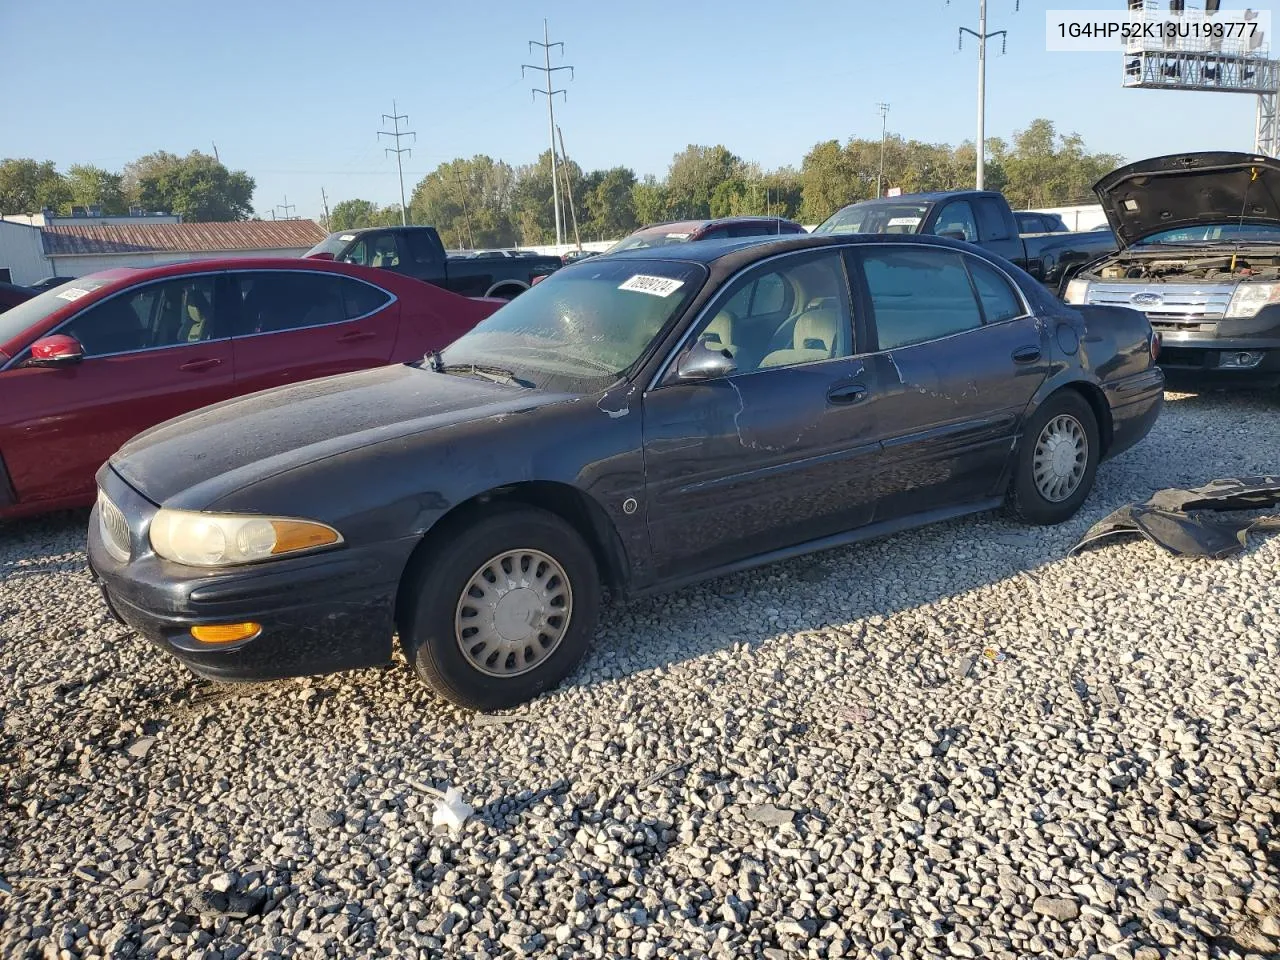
[[1063, 417], [550, 564]]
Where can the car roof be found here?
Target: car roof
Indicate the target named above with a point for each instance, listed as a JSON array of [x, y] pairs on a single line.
[[183, 267], [742, 250]]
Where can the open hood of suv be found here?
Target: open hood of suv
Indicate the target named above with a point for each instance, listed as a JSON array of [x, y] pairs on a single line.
[[1187, 190]]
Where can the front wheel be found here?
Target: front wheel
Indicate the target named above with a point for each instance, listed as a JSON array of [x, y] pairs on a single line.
[[503, 611], [1056, 460]]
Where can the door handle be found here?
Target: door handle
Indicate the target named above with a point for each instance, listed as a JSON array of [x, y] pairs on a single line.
[[849, 393], [356, 335], [1027, 354], [195, 366]]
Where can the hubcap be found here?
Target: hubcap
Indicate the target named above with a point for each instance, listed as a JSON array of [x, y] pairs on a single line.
[[1061, 455], [513, 613]]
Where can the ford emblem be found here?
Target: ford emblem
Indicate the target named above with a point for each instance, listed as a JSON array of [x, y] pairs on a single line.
[[1146, 299]]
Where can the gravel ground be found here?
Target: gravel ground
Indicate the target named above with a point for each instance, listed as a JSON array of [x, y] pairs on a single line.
[[814, 760]]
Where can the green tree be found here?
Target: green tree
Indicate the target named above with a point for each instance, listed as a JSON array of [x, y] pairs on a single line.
[[353, 214], [532, 201], [197, 186], [828, 181], [88, 185], [1046, 169], [693, 176], [468, 201], [649, 200], [610, 204], [28, 186]]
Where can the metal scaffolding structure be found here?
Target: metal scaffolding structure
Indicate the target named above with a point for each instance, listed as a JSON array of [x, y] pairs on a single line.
[[1238, 65]]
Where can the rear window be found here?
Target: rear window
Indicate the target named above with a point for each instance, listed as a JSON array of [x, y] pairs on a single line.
[[16, 320], [657, 237]]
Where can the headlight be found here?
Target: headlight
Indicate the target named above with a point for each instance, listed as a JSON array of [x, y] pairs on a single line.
[[223, 540], [1249, 298], [1077, 291]]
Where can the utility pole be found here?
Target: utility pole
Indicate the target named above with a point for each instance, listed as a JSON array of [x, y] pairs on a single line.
[[548, 70], [568, 186], [396, 133], [884, 126], [324, 198], [466, 217], [285, 208], [983, 37], [216, 158]]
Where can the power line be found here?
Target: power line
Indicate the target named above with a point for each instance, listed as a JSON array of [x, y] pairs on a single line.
[[550, 94], [396, 133]]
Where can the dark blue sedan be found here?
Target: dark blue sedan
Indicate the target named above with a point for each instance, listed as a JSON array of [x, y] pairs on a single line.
[[638, 421]]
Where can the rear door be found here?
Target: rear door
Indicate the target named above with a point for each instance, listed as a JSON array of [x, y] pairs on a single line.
[[995, 231], [292, 325], [958, 358], [152, 352]]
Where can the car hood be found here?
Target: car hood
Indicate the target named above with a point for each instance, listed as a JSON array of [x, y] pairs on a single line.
[[231, 444], [1187, 190]]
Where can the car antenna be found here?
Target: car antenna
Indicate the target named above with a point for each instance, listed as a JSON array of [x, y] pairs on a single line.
[[1243, 207]]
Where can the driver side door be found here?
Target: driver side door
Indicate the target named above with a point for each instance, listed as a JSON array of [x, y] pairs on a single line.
[[151, 353], [782, 450]]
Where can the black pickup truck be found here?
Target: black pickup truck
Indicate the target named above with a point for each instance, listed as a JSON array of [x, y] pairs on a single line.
[[418, 252], [981, 217]]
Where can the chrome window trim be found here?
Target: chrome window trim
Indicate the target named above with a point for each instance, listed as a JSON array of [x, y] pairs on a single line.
[[24, 354], [656, 380]]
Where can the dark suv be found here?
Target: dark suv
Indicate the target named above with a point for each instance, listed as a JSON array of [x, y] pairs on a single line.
[[687, 231]]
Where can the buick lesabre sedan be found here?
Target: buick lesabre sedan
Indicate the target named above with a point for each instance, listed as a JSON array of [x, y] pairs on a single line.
[[634, 421]]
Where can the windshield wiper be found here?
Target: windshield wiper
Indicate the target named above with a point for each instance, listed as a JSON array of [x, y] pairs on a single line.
[[483, 371]]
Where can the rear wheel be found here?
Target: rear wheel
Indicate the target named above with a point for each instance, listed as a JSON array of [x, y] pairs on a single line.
[[503, 611], [1056, 460]]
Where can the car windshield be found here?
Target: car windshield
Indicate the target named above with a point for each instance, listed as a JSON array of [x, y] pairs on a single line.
[[30, 312], [1214, 232], [657, 237], [875, 218], [331, 244], [583, 326]]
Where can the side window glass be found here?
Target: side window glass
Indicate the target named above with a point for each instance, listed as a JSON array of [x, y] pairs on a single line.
[[362, 299], [992, 220], [919, 295], [421, 249], [957, 217], [167, 314], [275, 301], [382, 250], [358, 254], [780, 317], [999, 302]]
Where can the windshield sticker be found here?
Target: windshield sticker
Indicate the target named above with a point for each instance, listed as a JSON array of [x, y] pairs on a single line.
[[657, 286], [677, 236], [904, 221], [347, 236], [74, 293]]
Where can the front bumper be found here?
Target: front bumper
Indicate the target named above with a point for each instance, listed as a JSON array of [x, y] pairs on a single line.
[[320, 613], [1205, 360]]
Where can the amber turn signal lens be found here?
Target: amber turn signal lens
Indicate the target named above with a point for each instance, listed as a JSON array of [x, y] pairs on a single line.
[[294, 535], [226, 632]]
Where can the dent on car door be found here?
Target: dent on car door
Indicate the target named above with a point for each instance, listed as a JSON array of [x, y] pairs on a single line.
[[959, 358], [779, 451], [293, 325], [150, 353]]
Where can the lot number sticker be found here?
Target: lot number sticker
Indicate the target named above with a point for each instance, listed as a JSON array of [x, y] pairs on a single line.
[[904, 221], [658, 286], [75, 293]]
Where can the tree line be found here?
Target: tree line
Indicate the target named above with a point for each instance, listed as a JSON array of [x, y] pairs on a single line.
[[483, 202], [198, 186]]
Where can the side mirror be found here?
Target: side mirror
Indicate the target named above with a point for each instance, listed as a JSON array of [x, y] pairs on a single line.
[[705, 361], [320, 256], [57, 350]]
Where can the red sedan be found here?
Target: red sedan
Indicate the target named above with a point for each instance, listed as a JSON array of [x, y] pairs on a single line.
[[87, 365]]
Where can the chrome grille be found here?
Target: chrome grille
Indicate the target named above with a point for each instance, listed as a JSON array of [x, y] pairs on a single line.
[[113, 527], [1180, 306]]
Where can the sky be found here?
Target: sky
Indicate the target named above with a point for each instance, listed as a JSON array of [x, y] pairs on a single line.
[[293, 92]]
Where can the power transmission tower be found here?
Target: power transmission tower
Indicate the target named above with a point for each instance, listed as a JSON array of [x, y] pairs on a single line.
[[884, 127], [983, 37], [548, 70], [568, 186], [396, 133], [285, 207]]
